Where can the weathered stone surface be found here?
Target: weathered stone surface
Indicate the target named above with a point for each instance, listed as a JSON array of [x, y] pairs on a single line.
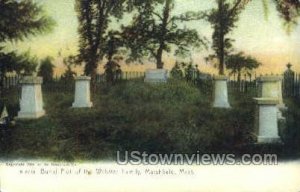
[[156, 76], [272, 87], [31, 80], [267, 120], [82, 92], [221, 92], [31, 102], [266, 101]]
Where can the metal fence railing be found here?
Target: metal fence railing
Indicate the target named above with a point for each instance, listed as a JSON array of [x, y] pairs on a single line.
[[290, 83]]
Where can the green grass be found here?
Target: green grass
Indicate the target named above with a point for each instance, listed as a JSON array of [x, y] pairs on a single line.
[[176, 117]]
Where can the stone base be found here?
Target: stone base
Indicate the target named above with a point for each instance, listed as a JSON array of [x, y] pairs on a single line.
[[282, 107], [82, 105], [156, 76], [221, 92], [30, 115], [221, 105], [280, 116], [263, 139]]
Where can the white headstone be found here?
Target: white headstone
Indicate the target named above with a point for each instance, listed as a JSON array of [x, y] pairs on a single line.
[[156, 75], [31, 102], [221, 92], [267, 120], [82, 92]]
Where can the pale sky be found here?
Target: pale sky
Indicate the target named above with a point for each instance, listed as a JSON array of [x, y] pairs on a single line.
[[265, 39]]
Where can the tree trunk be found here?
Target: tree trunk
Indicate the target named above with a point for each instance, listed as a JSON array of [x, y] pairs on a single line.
[[221, 45], [166, 15], [94, 80], [239, 76], [91, 70], [222, 67], [159, 62]]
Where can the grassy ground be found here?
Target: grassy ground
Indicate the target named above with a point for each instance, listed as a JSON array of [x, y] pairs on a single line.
[[176, 117]]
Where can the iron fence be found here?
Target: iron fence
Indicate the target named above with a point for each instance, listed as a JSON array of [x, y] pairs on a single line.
[[290, 83]]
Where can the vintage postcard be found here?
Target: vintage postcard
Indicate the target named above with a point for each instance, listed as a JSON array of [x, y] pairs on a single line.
[[150, 95]]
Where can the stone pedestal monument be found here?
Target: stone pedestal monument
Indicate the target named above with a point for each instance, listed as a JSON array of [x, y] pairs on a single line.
[[156, 76], [221, 92], [272, 88], [82, 92], [267, 120], [31, 102]]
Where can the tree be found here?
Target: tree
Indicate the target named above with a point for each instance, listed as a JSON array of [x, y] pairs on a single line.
[[20, 19], [21, 64], [176, 71], [94, 17], [223, 20], [25, 64], [154, 31], [113, 53], [239, 64], [46, 70], [186, 70], [191, 71], [69, 74], [289, 10], [113, 71]]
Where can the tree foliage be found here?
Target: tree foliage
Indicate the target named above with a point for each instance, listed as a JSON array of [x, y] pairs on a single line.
[[94, 17], [239, 64], [113, 71], [69, 74], [21, 64], [177, 71], [289, 11], [114, 54], [46, 70], [19, 19], [155, 30], [186, 70], [223, 20]]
